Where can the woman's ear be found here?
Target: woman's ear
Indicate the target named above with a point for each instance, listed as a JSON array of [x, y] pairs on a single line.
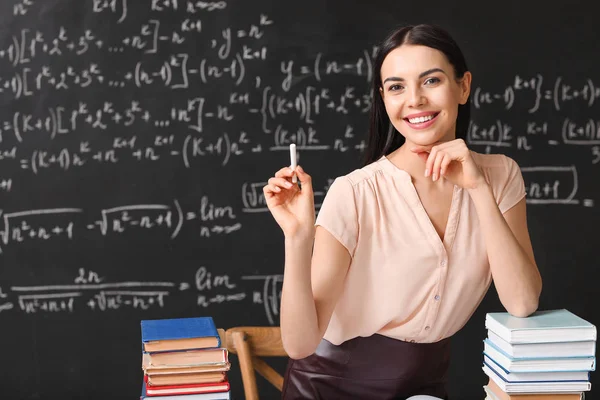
[[465, 87]]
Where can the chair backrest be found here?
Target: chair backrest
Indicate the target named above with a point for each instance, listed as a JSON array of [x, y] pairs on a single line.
[[250, 343]]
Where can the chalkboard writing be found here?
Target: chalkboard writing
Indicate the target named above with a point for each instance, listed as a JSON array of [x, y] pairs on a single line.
[[136, 137], [90, 291]]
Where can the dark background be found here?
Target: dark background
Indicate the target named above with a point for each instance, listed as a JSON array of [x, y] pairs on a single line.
[[56, 155]]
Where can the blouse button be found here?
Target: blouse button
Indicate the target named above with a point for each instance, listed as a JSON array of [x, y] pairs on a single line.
[[412, 341], [427, 328], [443, 263], [437, 297]]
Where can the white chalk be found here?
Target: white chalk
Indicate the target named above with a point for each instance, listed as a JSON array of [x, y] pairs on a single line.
[[293, 161]]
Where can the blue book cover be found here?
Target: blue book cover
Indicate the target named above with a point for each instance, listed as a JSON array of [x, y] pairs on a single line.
[[179, 328]]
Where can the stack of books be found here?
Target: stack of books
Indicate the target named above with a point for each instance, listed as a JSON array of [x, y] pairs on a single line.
[[184, 359], [548, 355]]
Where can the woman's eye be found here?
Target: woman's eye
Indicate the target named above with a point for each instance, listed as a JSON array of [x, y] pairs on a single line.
[[395, 88], [431, 81]]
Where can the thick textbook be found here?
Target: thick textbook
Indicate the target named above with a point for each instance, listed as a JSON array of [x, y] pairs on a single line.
[[537, 387], [544, 350], [179, 334], [541, 327], [537, 364], [535, 376]]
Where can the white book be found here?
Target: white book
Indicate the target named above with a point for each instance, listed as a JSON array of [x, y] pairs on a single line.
[[537, 364], [556, 376], [541, 327], [537, 387], [544, 350]]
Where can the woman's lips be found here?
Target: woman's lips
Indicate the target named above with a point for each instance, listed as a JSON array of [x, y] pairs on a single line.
[[422, 125]]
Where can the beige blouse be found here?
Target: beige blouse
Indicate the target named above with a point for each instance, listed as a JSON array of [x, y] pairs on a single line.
[[403, 281]]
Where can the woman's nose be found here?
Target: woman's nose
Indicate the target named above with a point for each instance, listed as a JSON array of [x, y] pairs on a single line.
[[416, 98]]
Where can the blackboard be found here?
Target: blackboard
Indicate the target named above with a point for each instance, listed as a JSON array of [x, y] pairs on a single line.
[[135, 138]]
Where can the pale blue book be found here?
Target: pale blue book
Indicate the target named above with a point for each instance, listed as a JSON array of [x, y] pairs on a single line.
[[537, 387], [541, 327], [551, 376], [549, 364]]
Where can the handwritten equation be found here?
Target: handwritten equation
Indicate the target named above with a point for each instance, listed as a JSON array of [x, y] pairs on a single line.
[[89, 291], [67, 223]]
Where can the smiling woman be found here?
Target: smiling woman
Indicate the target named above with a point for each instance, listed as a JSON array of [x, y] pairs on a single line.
[[389, 274]]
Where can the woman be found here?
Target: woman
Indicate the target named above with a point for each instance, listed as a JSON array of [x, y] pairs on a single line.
[[405, 248]]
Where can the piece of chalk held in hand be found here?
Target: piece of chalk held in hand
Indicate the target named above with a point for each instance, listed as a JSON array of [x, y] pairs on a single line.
[[293, 161]]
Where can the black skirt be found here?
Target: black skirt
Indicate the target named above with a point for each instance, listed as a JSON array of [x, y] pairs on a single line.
[[375, 367]]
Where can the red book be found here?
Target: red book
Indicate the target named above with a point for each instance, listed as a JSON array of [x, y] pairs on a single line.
[[186, 389]]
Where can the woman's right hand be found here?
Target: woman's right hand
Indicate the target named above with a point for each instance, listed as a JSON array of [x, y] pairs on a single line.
[[292, 207]]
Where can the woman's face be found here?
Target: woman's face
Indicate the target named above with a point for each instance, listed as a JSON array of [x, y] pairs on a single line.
[[421, 94]]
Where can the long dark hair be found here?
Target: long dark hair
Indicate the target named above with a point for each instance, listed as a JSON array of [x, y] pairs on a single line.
[[383, 137]]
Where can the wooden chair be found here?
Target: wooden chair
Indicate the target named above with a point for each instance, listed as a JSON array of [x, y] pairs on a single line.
[[250, 343]]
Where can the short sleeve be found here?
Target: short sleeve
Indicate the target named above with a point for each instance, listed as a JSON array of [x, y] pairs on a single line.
[[513, 189], [338, 213]]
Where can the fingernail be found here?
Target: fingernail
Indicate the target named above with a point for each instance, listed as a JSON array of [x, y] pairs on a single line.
[[426, 172], [288, 185], [435, 177]]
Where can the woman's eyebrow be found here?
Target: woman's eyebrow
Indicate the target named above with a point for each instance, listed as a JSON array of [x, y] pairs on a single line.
[[421, 75]]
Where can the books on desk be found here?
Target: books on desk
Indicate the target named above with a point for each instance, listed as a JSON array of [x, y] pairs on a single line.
[[548, 355], [184, 359]]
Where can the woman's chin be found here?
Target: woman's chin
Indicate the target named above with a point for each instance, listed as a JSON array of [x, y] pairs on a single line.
[[427, 138], [426, 141]]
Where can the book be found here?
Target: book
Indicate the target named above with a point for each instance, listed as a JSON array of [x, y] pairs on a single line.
[[535, 376], [543, 350], [186, 379], [179, 334], [197, 388], [199, 396], [537, 387], [187, 358], [541, 327], [494, 392], [175, 369], [537, 364]]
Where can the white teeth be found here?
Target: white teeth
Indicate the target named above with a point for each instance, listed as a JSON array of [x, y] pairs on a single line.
[[420, 119]]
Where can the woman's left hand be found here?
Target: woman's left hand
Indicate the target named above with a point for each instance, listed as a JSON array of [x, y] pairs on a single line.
[[451, 160]]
